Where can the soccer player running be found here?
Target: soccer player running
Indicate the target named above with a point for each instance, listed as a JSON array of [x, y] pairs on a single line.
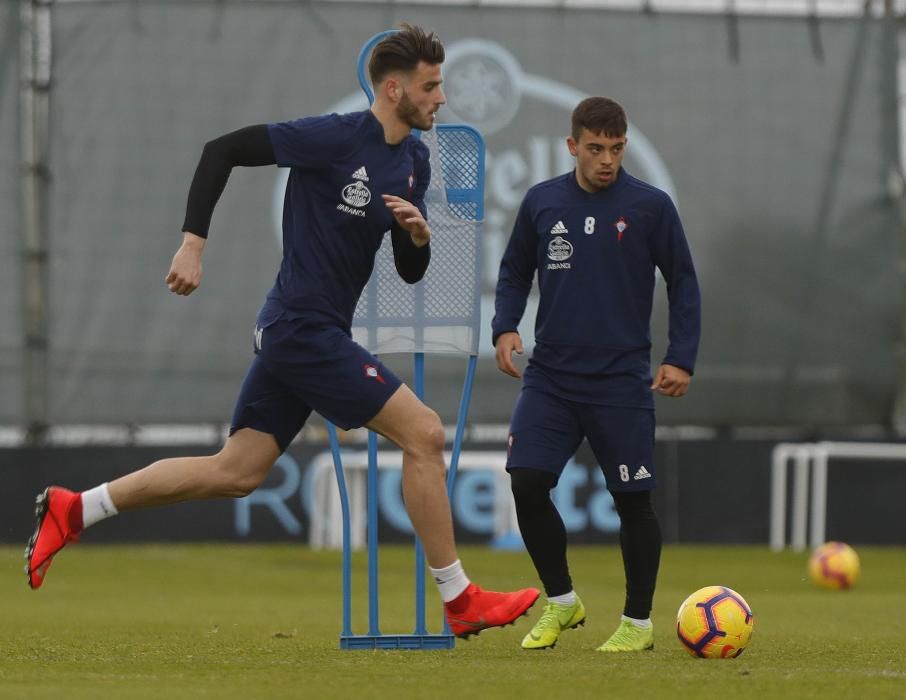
[[595, 237], [305, 358]]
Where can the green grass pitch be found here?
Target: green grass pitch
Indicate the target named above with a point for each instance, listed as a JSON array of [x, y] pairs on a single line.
[[253, 621]]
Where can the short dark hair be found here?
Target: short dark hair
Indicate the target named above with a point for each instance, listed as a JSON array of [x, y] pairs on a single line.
[[600, 115], [402, 51]]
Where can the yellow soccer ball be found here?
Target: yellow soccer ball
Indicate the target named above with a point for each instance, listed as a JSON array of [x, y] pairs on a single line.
[[715, 622], [834, 565]]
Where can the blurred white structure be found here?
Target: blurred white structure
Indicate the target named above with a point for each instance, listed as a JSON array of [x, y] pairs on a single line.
[[810, 474]]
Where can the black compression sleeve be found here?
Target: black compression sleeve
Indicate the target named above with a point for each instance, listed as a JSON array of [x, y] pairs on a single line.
[[249, 146], [640, 542], [411, 261]]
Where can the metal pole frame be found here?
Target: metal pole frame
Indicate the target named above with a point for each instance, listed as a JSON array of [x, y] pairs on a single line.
[[374, 639], [35, 61]]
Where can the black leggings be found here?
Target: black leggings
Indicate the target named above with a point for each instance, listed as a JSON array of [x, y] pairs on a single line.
[[545, 538]]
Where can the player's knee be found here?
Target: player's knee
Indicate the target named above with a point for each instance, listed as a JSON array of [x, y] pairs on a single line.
[[237, 477], [531, 487], [427, 437], [435, 437], [243, 484], [633, 505]]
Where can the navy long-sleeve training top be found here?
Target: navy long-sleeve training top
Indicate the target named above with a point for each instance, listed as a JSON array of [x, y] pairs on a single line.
[[334, 218], [595, 254]]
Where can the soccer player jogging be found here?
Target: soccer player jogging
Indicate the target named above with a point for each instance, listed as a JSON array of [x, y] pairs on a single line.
[[595, 237], [305, 358]]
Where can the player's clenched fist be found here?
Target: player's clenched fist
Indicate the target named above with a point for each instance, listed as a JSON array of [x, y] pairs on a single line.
[[185, 270], [671, 381]]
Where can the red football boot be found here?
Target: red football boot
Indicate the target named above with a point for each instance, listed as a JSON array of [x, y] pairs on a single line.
[[59, 515], [477, 609]]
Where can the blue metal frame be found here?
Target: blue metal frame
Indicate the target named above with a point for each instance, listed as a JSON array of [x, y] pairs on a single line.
[[421, 638], [362, 62]]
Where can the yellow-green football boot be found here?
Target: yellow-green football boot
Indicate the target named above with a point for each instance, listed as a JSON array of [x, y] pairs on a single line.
[[554, 620], [630, 637]]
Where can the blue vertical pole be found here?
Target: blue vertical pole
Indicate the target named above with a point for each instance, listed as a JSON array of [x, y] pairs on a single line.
[[460, 433], [420, 627], [461, 423], [372, 498], [344, 507]]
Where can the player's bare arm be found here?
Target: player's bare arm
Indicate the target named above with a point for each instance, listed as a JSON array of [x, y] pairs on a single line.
[[507, 344], [185, 270], [671, 381], [410, 218]]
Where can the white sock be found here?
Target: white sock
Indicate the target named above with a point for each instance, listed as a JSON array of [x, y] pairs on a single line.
[[565, 599], [644, 624], [451, 580], [96, 505]]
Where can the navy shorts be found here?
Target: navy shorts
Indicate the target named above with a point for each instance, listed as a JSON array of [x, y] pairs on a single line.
[[546, 431], [299, 369]]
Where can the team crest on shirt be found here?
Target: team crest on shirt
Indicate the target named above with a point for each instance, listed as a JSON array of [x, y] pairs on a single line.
[[355, 194], [559, 250], [620, 225]]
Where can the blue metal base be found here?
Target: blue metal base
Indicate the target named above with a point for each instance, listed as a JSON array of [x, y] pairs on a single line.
[[397, 641]]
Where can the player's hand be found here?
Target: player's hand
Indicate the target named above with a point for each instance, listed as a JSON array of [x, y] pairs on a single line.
[[185, 270], [507, 344], [410, 218], [671, 381]]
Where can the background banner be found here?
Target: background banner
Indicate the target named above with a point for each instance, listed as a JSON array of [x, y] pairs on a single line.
[[696, 499], [775, 148]]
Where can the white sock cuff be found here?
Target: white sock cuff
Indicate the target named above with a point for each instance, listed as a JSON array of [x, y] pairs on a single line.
[[447, 571], [644, 624], [451, 580], [97, 505], [565, 599]]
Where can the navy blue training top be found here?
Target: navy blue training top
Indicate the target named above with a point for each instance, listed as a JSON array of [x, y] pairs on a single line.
[[334, 218], [595, 254]]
